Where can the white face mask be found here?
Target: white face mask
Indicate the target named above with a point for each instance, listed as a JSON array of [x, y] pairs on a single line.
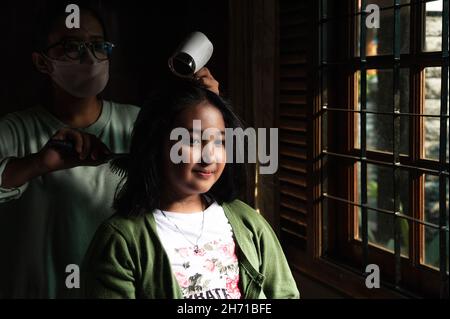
[[80, 79]]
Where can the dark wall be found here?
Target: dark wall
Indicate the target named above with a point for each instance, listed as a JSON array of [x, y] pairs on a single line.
[[145, 34]]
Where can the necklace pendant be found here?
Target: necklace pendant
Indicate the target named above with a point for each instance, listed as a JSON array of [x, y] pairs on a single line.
[[196, 250]]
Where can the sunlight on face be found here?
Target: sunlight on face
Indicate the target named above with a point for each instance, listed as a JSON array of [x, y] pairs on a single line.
[[205, 151]]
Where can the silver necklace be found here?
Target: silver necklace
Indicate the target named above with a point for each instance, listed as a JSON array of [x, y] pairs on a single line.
[[196, 249]]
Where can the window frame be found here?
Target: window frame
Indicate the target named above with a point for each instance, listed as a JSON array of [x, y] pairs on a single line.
[[341, 245]]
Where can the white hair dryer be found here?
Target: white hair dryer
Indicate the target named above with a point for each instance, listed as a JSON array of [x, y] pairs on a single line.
[[192, 54]]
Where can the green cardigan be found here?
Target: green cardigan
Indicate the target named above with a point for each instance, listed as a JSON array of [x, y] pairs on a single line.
[[127, 260]]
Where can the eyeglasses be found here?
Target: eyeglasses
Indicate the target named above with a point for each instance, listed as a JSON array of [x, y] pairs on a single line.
[[74, 50]]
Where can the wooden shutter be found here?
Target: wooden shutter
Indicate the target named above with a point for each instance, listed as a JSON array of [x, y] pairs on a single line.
[[292, 120]]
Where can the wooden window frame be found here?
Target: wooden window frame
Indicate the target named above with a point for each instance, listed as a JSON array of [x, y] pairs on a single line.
[[306, 257], [341, 245]]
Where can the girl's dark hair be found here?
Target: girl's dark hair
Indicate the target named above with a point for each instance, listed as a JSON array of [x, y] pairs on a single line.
[[140, 190]]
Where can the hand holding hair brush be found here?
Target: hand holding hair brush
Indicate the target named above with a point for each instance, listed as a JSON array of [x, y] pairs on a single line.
[[117, 162]]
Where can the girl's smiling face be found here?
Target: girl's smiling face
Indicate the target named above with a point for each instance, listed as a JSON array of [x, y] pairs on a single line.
[[206, 157]]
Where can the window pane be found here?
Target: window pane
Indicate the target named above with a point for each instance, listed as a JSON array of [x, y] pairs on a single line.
[[380, 230], [380, 194], [357, 130], [431, 215], [379, 41], [432, 199], [380, 188], [431, 255], [431, 143], [432, 106], [432, 91], [379, 90], [433, 26], [379, 94], [379, 133]]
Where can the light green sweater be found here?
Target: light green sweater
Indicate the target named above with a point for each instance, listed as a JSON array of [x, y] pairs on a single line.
[[49, 222], [126, 259]]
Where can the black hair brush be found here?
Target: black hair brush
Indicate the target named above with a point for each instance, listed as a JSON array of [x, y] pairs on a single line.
[[117, 162]]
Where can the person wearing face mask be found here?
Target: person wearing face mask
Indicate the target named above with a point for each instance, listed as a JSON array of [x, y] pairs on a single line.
[[52, 201]]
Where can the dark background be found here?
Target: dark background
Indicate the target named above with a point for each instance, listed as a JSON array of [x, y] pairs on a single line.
[[145, 34], [265, 52]]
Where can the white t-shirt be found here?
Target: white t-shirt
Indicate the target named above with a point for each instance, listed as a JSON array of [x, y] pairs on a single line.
[[210, 273], [48, 223]]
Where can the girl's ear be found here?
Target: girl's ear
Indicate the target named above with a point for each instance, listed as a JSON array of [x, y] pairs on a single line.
[[41, 63]]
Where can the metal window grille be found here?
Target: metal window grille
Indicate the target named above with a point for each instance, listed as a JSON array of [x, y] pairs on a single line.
[[443, 169]]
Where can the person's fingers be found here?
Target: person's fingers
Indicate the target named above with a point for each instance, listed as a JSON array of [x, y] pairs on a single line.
[[205, 78], [87, 144], [90, 149], [72, 135], [61, 134], [210, 83], [203, 72], [100, 151], [95, 153], [105, 149]]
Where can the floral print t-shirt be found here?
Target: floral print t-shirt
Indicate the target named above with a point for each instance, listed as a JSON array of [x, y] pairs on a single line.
[[208, 270]]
